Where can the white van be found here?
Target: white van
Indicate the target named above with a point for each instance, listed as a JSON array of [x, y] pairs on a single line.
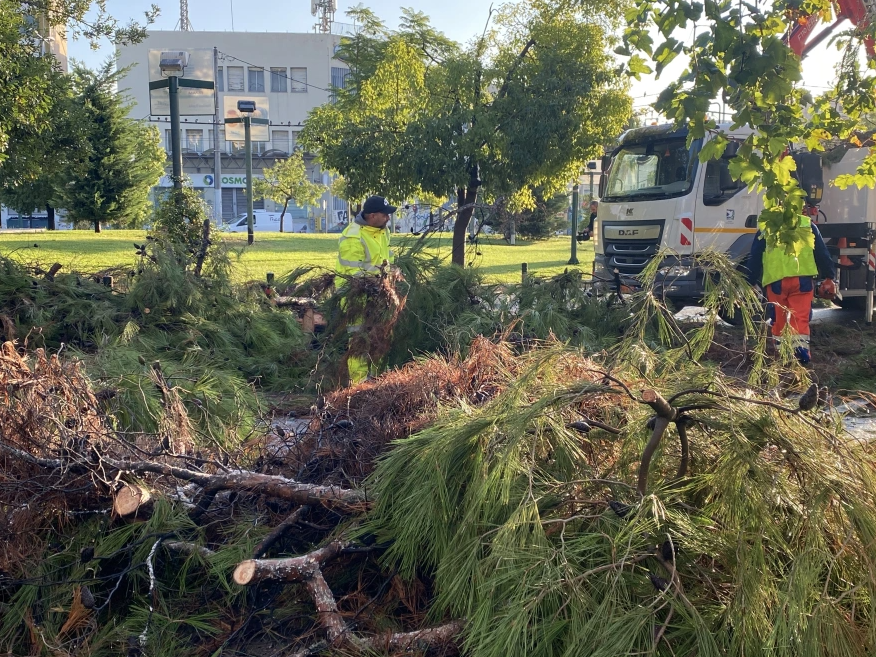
[[264, 221]]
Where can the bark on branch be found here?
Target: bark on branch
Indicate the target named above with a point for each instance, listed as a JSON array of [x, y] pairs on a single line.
[[279, 530], [290, 569], [248, 482], [665, 415], [305, 568], [421, 640]]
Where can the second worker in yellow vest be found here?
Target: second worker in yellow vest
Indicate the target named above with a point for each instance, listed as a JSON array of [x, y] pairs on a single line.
[[362, 249], [789, 284]]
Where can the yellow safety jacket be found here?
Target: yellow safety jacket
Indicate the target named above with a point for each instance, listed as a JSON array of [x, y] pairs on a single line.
[[361, 250]]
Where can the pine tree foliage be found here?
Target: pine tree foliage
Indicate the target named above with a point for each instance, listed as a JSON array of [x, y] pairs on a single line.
[[117, 161], [24, 75], [535, 535]]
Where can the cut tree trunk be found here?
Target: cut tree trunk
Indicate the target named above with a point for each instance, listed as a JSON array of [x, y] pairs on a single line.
[[131, 499]]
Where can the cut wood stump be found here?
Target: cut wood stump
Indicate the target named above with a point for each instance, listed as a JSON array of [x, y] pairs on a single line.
[[130, 499]]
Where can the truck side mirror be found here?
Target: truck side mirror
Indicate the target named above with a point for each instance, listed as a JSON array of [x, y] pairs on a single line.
[[810, 175], [731, 150], [725, 182], [603, 180]]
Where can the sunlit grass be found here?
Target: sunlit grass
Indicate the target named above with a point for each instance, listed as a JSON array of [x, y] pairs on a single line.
[[86, 251]]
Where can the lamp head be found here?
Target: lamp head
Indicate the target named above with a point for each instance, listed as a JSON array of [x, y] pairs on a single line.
[[246, 106], [173, 63]]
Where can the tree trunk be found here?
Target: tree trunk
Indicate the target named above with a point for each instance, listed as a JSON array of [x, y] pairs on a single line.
[[283, 214], [97, 225], [464, 198], [50, 213]]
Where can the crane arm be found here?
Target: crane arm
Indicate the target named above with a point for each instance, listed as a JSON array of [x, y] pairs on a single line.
[[859, 13]]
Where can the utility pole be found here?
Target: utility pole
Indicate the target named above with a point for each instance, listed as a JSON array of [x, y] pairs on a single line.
[[574, 259], [217, 154]]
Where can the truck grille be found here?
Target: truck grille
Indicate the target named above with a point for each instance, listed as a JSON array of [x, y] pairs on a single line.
[[631, 252]]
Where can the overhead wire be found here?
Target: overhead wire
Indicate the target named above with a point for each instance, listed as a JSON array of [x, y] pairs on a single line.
[[263, 68]]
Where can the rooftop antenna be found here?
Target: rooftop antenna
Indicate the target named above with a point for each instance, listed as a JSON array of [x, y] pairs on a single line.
[[324, 10], [184, 24]]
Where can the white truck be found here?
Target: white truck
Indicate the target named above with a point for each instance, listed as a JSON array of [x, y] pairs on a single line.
[[656, 197], [269, 222]]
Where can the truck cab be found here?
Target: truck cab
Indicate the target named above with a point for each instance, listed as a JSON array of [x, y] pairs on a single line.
[[657, 196]]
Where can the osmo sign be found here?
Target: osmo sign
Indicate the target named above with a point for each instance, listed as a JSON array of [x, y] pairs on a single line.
[[207, 179], [235, 180]]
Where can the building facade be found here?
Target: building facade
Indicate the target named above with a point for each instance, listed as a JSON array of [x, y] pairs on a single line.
[[289, 74]]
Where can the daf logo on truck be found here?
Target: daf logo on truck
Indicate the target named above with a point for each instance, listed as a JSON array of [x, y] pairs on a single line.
[[621, 232]]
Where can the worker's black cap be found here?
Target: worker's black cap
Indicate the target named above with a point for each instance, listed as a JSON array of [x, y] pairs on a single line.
[[377, 204]]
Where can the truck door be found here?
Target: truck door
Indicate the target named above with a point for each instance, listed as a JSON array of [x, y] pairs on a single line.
[[725, 211]]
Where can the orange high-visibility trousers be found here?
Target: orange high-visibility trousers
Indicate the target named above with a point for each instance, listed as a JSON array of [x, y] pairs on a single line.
[[791, 305]]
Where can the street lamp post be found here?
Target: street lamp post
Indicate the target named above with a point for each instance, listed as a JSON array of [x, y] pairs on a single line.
[[173, 66], [246, 108], [175, 146], [574, 259], [250, 215]]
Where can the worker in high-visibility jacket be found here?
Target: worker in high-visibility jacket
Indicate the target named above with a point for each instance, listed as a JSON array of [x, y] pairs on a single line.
[[362, 249], [789, 284]]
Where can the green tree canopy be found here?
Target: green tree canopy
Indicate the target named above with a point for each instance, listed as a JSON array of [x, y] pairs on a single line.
[[37, 156], [287, 181], [117, 161], [26, 81], [524, 106], [740, 56]]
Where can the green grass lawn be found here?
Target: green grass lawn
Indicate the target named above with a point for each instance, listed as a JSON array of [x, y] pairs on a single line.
[[89, 252]]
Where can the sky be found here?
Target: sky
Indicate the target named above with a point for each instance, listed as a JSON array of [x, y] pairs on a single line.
[[461, 20], [458, 19]]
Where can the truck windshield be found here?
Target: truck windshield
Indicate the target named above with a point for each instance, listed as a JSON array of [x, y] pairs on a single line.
[[658, 169]]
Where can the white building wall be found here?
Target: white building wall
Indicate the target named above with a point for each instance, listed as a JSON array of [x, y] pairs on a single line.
[[288, 110]]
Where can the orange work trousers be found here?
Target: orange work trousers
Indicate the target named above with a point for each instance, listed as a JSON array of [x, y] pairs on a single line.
[[791, 305]]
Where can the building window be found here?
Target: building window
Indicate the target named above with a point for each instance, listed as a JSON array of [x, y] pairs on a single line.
[[278, 80], [280, 140], [195, 140], [220, 79], [298, 80], [293, 144], [235, 78], [168, 142], [257, 80], [339, 80], [259, 147]]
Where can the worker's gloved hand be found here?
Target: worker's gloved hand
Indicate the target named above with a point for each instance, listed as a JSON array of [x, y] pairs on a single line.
[[827, 289]]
